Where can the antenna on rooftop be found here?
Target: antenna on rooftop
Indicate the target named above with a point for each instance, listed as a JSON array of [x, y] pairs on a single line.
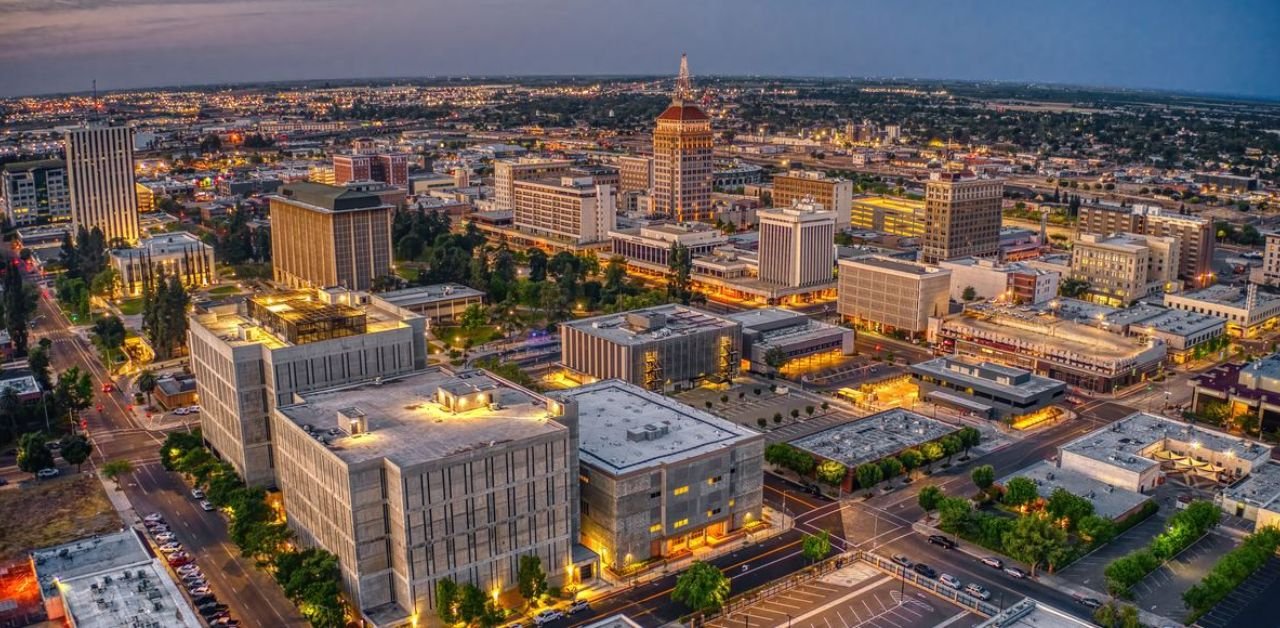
[[684, 86]]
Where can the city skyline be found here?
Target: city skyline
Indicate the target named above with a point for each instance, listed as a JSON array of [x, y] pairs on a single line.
[[127, 44]]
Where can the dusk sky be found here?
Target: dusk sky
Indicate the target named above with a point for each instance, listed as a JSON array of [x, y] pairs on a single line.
[[1224, 46]]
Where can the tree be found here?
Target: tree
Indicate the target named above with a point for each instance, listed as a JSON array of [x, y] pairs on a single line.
[[532, 580], [983, 477], [109, 333], [116, 468], [775, 358], [932, 452], [76, 449], [911, 459], [954, 514], [702, 587], [473, 317], [1095, 530], [33, 453], [38, 362], [447, 601], [679, 276], [472, 605], [969, 437], [537, 265], [929, 497], [74, 391], [868, 475], [890, 467], [832, 472], [18, 302], [1114, 615], [147, 383], [816, 546], [969, 294], [104, 283], [951, 446], [1062, 504], [1034, 540], [1020, 491]]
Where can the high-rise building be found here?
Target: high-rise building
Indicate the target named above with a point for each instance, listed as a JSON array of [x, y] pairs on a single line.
[[390, 168], [833, 193], [572, 208], [250, 357], [892, 294], [797, 245], [1269, 272], [1124, 267], [962, 217], [324, 235], [35, 192], [437, 474], [635, 174], [100, 177], [1194, 233], [683, 165], [507, 171]]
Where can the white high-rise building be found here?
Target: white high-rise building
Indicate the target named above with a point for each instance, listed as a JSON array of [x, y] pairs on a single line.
[[100, 175], [797, 245]]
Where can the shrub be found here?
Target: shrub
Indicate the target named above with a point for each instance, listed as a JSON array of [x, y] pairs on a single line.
[[1232, 570]]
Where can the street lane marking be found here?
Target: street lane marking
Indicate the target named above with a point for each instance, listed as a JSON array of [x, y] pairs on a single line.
[[952, 620]]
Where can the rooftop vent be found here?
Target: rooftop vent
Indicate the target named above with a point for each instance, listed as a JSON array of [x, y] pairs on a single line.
[[650, 431], [353, 421]]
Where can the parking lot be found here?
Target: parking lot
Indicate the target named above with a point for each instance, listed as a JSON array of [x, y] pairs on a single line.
[[858, 595], [1088, 571], [1250, 603], [1161, 591], [751, 407]]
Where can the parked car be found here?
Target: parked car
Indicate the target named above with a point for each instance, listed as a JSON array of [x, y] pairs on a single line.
[[992, 561], [153, 517], [547, 616], [212, 610], [165, 537], [194, 583], [942, 541], [1088, 602], [200, 591], [977, 591], [180, 412], [205, 505], [171, 547], [924, 570], [177, 559], [1015, 572], [197, 493], [204, 599], [578, 607], [950, 581], [193, 409], [213, 619], [902, 559], [189, 570], [48, 472]]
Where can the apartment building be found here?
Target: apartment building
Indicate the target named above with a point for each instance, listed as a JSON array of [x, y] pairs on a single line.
[[575, 209], [891, 294], [962, 217], [1195, 234], [833, 193], [1124, 267], [324, 235], [506, 172], [35, 192]]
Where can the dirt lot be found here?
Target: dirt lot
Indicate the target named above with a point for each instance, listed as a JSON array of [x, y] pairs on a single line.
[[49, 512]]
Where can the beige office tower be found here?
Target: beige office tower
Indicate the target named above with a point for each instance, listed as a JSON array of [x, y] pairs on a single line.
[[635, 174], [887, 294], [797, 245], [100, 177], [683, 166], [962, 217], [506, 172], [250, 357], [324, 236], [833, 193]]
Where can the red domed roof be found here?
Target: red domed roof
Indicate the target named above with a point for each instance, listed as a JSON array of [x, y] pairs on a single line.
[[680, 111]]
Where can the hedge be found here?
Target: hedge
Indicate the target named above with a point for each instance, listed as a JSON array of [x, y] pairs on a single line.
[[1231, 570]]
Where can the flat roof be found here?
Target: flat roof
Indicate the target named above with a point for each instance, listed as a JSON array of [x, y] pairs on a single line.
[[899, 205], [1261, 488], [1221, 294], [623, 428], [874, 437], [1169, 321], [422, 295], [989, 375], [1044, 329], [1029, 613], [679, 320], [232, 323], [893, 264], [779, 327], [1108, 501], [406, 424], [1124, 443], [23, 384], [163, 244]]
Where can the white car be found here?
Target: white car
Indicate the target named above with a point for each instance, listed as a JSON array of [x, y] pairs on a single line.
[[197, 493], [547, 616], [180, 412], [171, 547], [154, 517], [187, 570], [205, 505], [977, 590], [165, 537], [49, 472], [950, 581], [199, 591], [193, 409]]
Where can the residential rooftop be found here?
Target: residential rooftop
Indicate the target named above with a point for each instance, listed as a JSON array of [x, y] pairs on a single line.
[[1261, 488], [1108, 501], [649, 324], [623, 428], [1013, 381], [408, 419], [874, 437], [1132, 442]]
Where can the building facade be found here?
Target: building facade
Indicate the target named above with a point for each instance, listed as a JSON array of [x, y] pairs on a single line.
[[796, 335], [506, 172], [888, 214], [100, 178], [1247, 311], [635, 174], [834, 194], [962, 217], [890, 294], [993, 391], [576, 209], [441, 303], [683, 164], [35, 192], [178, 254], [1269, 273], [1195, 234], [1123, 268], [1012, 282], [389, 168], [324, 236], [797, 245]]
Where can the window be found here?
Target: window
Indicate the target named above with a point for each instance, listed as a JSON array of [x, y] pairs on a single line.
[[657, 527], [681, 491], [712, 513], [582, 477], [731, 502], [680, 524], [712, 481], [655, 494]]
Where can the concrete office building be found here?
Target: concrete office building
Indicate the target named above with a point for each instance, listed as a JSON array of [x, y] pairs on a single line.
[[1269, 273], [649, 246], [436, 474], [659, 477], [661, 348], [441, 303], [1122, 268], [962, 217], [797, 245], [1195, 234], [323, 235], [1012, 282], [1108, 501], [888, 294], [888, 214], [833, 193], [252, 356], [683, 164], [992, 391], [178, 254], [1248, 313], [35, 192], [796, 335], [1185, 334], [389, 168], [100, 178], [506, 172], [635, 174], [575, 209]]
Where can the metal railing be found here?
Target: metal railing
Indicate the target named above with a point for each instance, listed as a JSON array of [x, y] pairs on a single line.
[[908, 576]]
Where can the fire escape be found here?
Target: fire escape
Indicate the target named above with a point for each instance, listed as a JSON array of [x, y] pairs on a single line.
[[653, 375]]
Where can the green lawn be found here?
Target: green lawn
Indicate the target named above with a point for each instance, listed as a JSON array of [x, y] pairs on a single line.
[[457, 336], [130, 307], [222, 291]]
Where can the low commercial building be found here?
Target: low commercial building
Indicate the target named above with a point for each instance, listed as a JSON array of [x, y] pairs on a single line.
[[178, 254], [662, 348], [440, 303], [1081, 355], [1029, 613], [1122, 268], [24, 386], [1108, 501], [1256, 499], [1012, 282], [175, 391], [889, 294], [1246, 390], [1186, 335], [798, 337], [109, 581], [1137, 452], [1248, 312], [659, 478], [436, 474], [992, 391], [873, 438], [251, 356]]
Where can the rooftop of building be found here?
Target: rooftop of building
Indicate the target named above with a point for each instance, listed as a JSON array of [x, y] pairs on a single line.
[[331, 198], [623, 428], [1222, 294], [894, 265], [407, 423], [288, 318], [989, 375], [1108, 501], [683, 112], [874, 437], [36, 164], [802, 210], [175, 385], [650, 324], [1129, 242], [1156, 318], [994, 266], [163, 244], [1261, 488], [1127, 443], [421, 295], [891, 203], [775, 326], [21, 385], [1029, 613], [1046, 330]]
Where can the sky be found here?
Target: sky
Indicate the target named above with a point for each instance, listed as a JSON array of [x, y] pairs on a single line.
[[1214, 46]]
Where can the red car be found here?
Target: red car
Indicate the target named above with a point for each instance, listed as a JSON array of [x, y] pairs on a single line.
[[108, 387], [178, 559]]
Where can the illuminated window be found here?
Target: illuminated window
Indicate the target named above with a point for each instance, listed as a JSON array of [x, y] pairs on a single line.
[[681, 491], [712, 481], [680, 524], [731, 502], [657, 527], [584, 479]]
